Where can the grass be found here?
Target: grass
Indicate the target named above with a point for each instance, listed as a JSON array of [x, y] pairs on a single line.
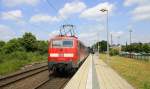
[[11, 62], [136, 72]]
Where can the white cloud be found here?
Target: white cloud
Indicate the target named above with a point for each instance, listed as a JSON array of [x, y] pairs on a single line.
[[63, 13], [117, 33], [6, 33], [90, 33], [141, 10], [11, 15], [141, 13], [94, 13], [136, 2], [12, 3], [88, 39], [71, 8], [53, 33], [43, 18], [86, 35]]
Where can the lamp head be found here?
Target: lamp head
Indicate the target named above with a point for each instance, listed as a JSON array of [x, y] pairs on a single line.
[[103, 10]]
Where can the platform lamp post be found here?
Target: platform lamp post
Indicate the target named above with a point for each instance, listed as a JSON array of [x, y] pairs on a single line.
[[98, 42], [105, 10], [130, 31]]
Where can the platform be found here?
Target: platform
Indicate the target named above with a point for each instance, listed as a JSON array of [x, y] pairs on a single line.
[[95, 74]]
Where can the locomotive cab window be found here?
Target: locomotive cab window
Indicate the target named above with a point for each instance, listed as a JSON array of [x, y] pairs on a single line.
[[67, 43], [62, 43], [56, 43]]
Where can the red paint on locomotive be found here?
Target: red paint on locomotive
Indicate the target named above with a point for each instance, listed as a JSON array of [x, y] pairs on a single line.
[[65, 52]]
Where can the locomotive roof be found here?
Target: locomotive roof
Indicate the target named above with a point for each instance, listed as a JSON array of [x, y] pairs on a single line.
[[65, 37]]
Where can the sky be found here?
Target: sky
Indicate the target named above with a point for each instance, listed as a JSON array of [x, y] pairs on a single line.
[[44, 17]]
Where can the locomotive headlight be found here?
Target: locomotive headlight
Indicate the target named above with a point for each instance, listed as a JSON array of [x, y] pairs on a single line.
[[53, 54], [68, 54]]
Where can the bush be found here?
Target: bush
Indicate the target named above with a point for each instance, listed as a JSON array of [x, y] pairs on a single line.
[[19, 55], [11, 46], [2, 43], [15, 60], [113, 52], [42, 47], [21, 51], [2, 56], [137, 48]]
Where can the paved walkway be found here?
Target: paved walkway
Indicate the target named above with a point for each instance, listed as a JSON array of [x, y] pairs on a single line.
[[95, 74], [108, 78]]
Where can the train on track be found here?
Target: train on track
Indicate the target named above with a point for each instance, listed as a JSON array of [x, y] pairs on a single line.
[[66, 53]]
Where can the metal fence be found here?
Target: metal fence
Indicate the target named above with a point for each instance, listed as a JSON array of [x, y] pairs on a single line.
[[139, 57]]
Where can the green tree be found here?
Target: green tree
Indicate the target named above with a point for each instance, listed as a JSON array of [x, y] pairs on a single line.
[[103, 46], [123, 48], [146, 48], [29, 42], [11, 46], [137, 47], [2, 43]]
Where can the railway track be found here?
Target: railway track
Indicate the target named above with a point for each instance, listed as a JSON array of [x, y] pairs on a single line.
[[22, 75], [54, 82]]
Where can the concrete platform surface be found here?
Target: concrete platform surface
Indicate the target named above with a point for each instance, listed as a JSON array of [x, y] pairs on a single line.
[[95, 74]]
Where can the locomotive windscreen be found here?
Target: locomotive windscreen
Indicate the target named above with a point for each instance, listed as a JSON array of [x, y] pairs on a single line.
[[62, 43]]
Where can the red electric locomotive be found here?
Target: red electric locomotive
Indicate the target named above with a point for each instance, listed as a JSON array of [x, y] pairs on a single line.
[[65, 53]]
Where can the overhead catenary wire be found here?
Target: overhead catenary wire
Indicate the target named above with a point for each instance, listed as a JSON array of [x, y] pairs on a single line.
[[51, 5], [54, 8], [31, 24]]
